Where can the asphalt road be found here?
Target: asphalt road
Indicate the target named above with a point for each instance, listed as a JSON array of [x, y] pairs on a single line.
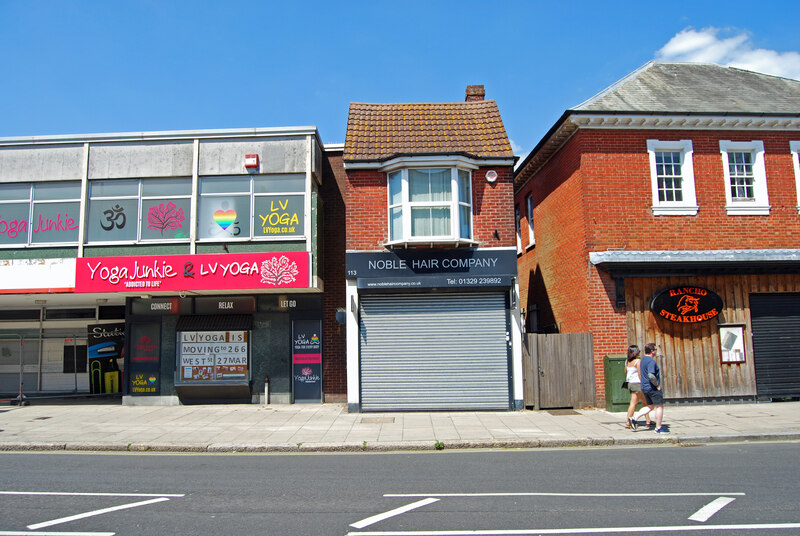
[[729, 489]]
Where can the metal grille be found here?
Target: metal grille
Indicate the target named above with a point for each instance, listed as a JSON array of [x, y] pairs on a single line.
[[776, 336], [434, 352]]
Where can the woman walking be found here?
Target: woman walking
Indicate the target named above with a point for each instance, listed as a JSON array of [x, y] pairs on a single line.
[[634, 383]]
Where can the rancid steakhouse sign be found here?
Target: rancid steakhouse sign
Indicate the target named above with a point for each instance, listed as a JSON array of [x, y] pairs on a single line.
[[686, 304]]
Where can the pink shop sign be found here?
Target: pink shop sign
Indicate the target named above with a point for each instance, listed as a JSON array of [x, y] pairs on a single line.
[[174, 273]]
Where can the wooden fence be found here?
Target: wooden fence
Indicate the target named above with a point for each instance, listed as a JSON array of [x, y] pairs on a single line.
[[558, 370]]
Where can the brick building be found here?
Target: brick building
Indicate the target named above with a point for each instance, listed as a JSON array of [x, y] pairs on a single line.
[[665, 209], [431, 300]]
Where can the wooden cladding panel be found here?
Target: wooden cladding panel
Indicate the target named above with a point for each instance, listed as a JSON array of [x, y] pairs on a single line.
[[691, 365]]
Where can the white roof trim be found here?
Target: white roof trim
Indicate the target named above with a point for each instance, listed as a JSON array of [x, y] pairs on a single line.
[[430, 160], [722, 255], [694, 122], [161, 135]]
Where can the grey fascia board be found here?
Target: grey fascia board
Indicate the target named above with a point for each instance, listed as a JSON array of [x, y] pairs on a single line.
[[722, 256], [161, 135]]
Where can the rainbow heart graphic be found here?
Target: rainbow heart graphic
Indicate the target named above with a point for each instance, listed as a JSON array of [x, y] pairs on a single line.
[[225, 218]]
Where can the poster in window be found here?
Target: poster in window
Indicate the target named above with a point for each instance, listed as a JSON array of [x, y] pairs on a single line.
[[213, 356], [106, 343], [307, 360], [732, 344], [145, 359]]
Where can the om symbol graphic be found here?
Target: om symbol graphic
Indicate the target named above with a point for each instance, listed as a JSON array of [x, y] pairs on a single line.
[[115, 218]]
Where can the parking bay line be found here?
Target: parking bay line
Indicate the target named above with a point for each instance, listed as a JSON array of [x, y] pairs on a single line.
[[590, 530], [95, 513], [391, 513], [48, 533], [537, 494], [90, 494], [710, 509]]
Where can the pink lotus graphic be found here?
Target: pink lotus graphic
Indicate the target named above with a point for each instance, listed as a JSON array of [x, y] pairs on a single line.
[[306, 371], [162, 217]]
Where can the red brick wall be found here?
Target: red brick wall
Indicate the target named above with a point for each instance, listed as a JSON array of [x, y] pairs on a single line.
[[595, 195], [367, 218], [332, 272], [558, 260]]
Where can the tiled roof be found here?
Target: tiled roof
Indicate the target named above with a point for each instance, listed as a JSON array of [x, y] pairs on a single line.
[[381, 131], [697, 88]]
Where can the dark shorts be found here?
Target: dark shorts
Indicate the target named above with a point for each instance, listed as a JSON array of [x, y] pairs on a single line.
[[654, 398]]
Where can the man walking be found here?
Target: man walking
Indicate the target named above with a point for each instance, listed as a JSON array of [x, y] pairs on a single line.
[[650, 376]]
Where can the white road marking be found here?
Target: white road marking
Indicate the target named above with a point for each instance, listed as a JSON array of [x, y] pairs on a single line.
[[391, 513], [80, 494], [95, 513], [533, 494], [29, 533], [710, 509], [599, 530]]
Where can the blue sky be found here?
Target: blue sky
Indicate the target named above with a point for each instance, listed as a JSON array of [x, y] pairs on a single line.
[[76, 67]]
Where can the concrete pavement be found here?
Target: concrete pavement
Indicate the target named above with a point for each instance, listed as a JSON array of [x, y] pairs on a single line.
[[109, 426]]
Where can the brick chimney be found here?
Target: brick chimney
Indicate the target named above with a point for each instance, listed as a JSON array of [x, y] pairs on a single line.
[[474, 93]]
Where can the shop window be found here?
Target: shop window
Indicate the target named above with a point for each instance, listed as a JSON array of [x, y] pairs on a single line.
[[39, 214], [745, 178], [74, 359], [430, 205], [531, 235], [252, 207], [794, 146], [139, 210], [672, 177]]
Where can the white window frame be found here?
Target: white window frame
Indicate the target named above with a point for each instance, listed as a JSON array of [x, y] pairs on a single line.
[[531, 235], [454, 204], [687, 206], [518, 225], [759, 205], [794, 147]]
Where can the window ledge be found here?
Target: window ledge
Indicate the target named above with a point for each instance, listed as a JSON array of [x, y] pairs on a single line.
[[430, 242], [737, 210], [676, 211]]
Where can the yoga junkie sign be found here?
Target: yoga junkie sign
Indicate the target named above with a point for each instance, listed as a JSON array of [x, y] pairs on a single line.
[[176, 273]]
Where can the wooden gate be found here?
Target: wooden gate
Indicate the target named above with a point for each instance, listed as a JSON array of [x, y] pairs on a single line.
[[558, 370]]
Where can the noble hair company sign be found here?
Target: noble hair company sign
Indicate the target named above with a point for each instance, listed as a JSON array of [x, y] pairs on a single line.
[[686, 304]]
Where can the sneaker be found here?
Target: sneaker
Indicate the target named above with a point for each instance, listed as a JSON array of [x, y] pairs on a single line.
[[662, 430], [633, 423], [651, 425]]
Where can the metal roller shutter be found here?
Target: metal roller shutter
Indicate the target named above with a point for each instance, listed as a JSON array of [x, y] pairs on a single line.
[[434, 352], [776, 336]]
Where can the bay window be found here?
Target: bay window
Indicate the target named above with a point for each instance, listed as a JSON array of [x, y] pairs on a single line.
[[430, 204]]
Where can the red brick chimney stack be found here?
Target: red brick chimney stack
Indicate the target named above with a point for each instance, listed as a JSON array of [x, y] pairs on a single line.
[[474, 93]]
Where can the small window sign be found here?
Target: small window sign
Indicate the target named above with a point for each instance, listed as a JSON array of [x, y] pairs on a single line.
[[731, 339]]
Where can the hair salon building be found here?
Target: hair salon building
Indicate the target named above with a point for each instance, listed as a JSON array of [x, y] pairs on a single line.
[[431, 306]]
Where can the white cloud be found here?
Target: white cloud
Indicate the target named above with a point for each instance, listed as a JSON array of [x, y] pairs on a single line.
[[714, 45], [517, 149]]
